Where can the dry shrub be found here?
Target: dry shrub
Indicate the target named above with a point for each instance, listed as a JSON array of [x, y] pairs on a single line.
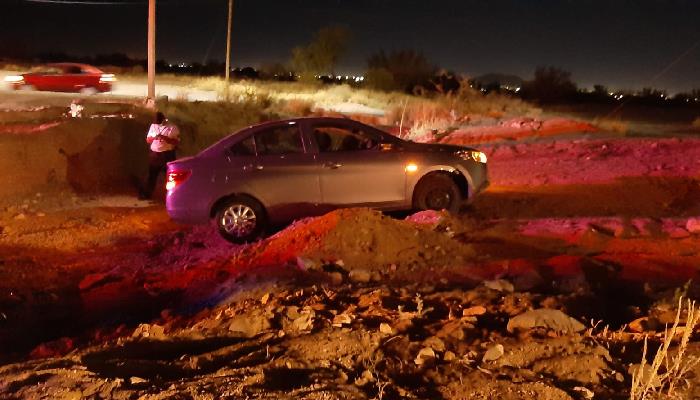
[[666, 373], [298, 107], [612, 125]]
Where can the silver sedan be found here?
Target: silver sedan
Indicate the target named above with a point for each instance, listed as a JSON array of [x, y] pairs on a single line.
[[279, 171]]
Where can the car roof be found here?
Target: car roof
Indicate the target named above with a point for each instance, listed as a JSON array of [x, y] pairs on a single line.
[[301, 119], [85, 67]]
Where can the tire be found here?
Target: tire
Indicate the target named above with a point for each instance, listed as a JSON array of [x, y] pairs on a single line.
[[246, 210], [437, 192], [27, 88], [89, 91]]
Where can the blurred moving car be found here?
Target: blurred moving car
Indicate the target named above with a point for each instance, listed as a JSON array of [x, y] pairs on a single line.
[[64, 77], [278, 171]]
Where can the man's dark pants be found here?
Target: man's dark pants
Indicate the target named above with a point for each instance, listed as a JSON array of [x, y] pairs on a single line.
[[157, 161]]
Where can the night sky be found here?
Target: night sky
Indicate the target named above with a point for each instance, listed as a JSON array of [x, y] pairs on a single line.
[[619, 43]]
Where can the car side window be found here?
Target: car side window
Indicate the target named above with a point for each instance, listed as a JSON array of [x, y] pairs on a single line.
[[245, 147], [333, 138], [279, 140]]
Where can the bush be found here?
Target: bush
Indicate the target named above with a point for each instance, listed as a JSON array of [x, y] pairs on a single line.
[[380, 79], [550, 85], [322, 54], [408, 68], [203, 123], [298, 108]]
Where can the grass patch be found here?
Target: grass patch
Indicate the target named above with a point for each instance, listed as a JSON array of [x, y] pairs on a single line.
[[203, 123]]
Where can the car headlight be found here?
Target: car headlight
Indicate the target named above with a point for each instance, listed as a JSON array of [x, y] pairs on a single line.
[[473, 155], [108, 78], [14, 78]]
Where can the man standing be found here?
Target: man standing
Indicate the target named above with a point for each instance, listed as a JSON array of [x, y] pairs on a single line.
[[163, 137]]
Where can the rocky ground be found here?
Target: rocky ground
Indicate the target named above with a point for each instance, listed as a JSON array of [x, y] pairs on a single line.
[[546, 286]]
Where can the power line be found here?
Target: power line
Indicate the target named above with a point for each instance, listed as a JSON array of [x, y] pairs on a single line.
[[90, 2]]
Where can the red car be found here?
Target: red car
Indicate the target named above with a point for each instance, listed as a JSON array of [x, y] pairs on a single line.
[[64, 77]]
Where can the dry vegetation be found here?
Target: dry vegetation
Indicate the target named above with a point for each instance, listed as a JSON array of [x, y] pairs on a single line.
[[667, 373]]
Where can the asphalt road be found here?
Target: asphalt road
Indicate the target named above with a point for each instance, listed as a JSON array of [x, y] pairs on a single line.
[[138, 89]]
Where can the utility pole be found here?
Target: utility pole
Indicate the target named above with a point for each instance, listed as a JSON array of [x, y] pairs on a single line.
[[151, 52], [228, 46]]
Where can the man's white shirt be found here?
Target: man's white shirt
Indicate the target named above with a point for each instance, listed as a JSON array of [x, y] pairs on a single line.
[[167, 130]]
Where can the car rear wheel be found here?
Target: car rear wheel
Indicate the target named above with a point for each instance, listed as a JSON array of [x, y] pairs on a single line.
[[241, 220], [437, 192], [88, 91]]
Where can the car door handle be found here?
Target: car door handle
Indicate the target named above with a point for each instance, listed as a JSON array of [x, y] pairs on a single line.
[[332, 165]]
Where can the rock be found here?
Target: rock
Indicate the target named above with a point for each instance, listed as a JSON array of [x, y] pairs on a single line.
[[20, 217], [360, 276], [386, 329], [305, 264], [265, 298], [134, 380], [305, 321], [499, 285], [365, 378], [454, 330], [474, 311], [425, 356], [693, 225], [149, 331], [71, 395], [644, 324], [342, 319], [545, 318], [249, 325], [584, 392], [434, 343], [427, 217], [494, 353], [336, 278], [449, 356]]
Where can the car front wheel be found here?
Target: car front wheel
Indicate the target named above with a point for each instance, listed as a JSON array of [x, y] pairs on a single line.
[[437, 192], [240, 220]]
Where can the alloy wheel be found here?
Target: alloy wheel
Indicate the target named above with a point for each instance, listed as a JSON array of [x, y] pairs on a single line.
[[239, 220]]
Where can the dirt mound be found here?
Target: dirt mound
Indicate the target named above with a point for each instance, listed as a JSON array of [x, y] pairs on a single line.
[[360, 239]]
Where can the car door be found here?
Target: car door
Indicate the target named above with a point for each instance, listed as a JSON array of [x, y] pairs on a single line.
[[356, 168], [283, 174]]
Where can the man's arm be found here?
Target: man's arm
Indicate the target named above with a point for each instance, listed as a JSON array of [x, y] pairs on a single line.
[[151, 135]]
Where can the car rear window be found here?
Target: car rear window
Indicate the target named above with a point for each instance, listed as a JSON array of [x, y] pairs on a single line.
[[284, 139], [245, 147]]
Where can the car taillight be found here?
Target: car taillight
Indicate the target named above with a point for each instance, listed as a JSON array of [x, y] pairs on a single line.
[[175, 178], [108, 78]]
